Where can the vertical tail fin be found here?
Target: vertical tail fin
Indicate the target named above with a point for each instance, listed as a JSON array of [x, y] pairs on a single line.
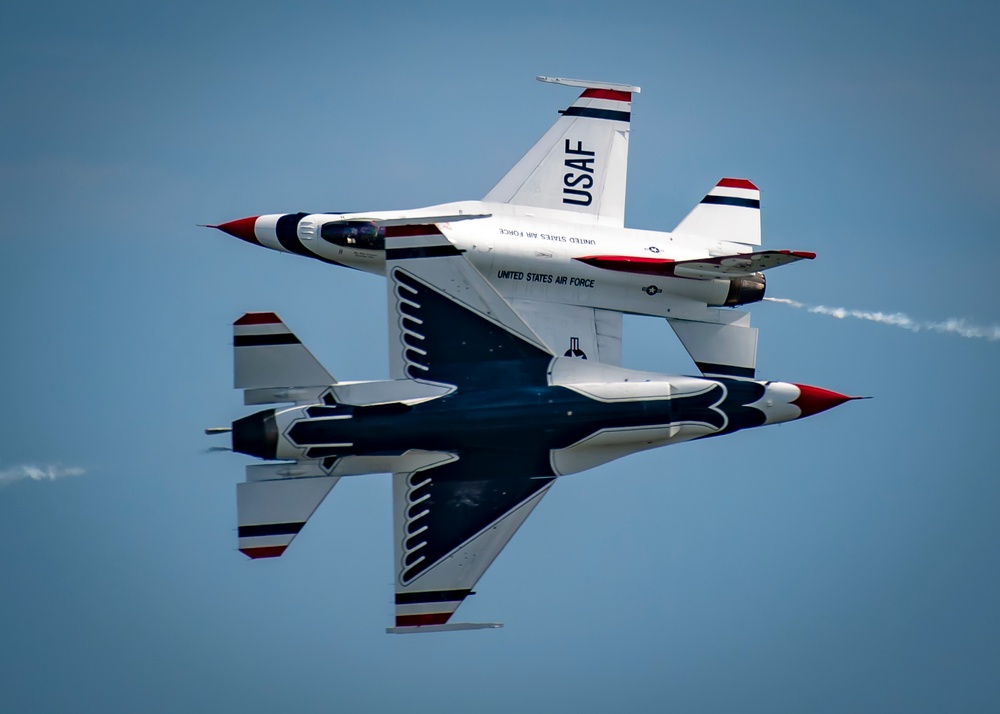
[[729, 212], [580, 163]]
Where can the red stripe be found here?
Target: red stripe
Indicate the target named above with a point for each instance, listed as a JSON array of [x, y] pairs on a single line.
[[272, 551], [613, 94], [624, 259], [736, 183], [258, 318], [402, 231], [431, 618], [663, 267], [807, 254]]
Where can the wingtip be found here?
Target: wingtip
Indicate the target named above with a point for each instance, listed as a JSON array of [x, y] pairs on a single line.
[[258, 318], [729, 182], [274, 551]]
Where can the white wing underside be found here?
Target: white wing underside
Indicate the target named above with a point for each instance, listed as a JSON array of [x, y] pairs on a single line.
[[575, 330]]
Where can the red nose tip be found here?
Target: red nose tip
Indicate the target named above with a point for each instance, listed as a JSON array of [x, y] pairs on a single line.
[[241, 228], [813, 400]]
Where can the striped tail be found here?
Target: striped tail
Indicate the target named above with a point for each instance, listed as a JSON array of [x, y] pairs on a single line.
[[730, 212]]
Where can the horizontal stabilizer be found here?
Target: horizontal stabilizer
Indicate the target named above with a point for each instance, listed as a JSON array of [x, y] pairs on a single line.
[[267, 354], [741, 265], [271, 513], [729, 212]]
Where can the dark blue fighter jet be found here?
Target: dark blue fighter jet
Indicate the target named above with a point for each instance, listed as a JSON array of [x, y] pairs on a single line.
[[480, 419]]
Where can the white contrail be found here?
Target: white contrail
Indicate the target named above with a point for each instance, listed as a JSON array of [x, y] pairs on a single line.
[[38, 473], [953, 325]]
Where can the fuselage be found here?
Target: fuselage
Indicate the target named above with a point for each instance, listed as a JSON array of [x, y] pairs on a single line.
[[525, 253], [584, 416]]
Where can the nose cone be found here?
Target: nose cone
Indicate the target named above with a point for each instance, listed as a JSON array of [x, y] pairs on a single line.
[[242, 228], [813, 400]]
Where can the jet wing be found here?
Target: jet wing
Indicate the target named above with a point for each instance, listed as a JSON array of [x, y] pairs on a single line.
[[575, 330], [447, 324], [450, 522], [723, 266]]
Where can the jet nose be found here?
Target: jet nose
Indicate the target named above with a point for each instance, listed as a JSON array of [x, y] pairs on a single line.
[[242, 228], [813, 400]]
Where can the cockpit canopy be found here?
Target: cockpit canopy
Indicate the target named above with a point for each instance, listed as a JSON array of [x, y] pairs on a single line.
[[363, 235]]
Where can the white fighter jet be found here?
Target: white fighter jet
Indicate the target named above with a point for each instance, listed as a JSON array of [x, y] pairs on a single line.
[[550, 238]]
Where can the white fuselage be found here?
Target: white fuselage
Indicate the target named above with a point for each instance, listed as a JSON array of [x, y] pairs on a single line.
[[529, 254]]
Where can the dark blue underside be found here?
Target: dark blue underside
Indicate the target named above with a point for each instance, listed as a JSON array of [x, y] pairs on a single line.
[[522, 424], [503, 438]]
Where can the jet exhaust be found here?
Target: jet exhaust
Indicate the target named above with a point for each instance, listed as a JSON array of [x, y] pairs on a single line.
[[743, 291], [256, 435], [952, 326]]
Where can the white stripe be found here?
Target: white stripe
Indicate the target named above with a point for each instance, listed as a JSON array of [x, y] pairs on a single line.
[[598, 103], [269, 328], [735, 192], [266, 231], [265, 541], [426, 608]]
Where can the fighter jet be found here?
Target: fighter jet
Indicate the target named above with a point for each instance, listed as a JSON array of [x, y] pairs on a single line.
[[550, 238], [481, 417]]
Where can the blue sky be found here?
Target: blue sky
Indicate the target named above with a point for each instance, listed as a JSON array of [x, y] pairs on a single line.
[[846, 562]]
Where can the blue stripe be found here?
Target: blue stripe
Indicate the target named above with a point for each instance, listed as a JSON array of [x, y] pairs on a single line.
[[287, 232], [418, 598], [592, 113], [284, 338], [732, 201], [270, 529], [726, 369], [430, 251]]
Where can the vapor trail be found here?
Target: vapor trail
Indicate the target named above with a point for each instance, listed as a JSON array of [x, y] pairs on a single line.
[[953, 325], [38, 473]]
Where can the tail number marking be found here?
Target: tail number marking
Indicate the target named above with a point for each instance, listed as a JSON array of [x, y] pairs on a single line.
[[580, 179]]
